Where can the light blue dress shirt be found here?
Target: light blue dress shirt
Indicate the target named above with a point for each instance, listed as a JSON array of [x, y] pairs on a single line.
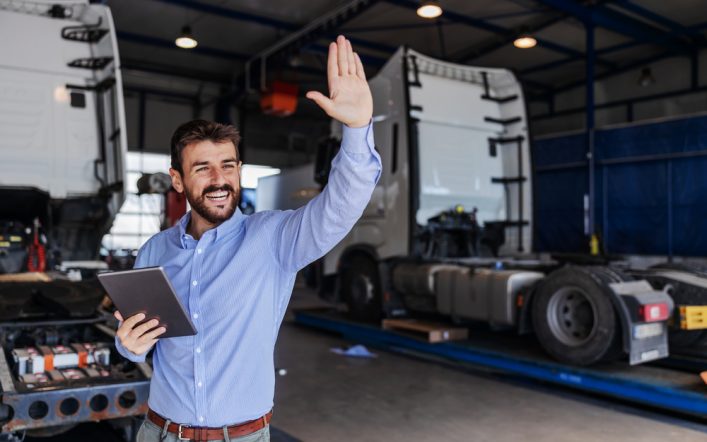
[[235, 282]]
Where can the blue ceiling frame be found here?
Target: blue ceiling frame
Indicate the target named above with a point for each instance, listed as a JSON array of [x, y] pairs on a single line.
[[564, 61], [470, 54], [498, 30], [675, 27], [620, 23], [678, 40], [316, 48]]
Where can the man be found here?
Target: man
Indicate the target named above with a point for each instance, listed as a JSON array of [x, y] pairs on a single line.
[[235, 273]]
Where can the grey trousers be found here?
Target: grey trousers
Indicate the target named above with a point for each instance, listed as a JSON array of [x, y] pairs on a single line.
[[149, 432]]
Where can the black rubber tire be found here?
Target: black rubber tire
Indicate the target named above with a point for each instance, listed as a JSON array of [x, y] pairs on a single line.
[[603, 342], [360, 287]]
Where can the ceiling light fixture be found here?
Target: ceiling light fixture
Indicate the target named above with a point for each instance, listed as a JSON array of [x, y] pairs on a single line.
[[646, 79], [525, 42], [429, 9], [186, 40]]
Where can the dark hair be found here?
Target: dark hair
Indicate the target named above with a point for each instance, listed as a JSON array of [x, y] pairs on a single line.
[[200, 130]]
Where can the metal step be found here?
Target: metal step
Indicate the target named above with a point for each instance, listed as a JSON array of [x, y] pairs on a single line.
[[503, 121], [508, 180], [500, 99], [85, 34], [91, 63]]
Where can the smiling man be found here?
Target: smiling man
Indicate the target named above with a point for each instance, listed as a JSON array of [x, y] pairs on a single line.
[[234, 273]]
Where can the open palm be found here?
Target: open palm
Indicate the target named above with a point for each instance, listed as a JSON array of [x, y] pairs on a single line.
[[349, 100]]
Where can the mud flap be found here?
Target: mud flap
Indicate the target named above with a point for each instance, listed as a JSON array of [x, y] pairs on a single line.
[[643, 341]]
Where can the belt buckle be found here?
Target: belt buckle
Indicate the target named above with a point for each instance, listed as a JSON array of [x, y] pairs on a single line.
[[179, 432]]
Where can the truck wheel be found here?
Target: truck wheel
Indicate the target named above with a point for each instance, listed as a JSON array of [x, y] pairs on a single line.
[[361, 289], [574, 318]]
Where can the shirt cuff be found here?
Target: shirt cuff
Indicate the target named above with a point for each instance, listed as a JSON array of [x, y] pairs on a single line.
[[358, 139]]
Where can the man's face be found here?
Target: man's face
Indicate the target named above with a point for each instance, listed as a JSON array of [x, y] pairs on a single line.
[[211, 179]]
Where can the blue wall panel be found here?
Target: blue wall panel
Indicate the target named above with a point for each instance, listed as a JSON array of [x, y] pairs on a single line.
[[648, 199]]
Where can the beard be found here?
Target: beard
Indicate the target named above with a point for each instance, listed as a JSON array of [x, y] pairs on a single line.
[[220, 213]]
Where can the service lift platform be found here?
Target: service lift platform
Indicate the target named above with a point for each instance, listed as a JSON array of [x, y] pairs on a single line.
[[672, 385]]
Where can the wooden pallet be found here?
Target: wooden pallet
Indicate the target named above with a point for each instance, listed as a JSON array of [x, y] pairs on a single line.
[[429, 331]]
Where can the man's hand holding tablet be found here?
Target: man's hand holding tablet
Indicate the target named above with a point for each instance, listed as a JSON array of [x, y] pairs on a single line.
[[138, 339]]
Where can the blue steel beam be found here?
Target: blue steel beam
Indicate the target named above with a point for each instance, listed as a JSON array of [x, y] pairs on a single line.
[[619, 23], [557, 63], [625, 68], [589, 131], [618, 103], [472, 53], [549, 65], [232, 14]]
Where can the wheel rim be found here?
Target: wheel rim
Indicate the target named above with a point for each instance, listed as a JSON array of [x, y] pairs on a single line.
[[362, 290], [571, 315]]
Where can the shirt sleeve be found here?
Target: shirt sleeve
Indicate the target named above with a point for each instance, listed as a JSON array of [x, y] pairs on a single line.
[[306, 234], [140, 262]]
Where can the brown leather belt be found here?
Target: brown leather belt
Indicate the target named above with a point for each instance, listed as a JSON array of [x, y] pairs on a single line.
[[200, 434]]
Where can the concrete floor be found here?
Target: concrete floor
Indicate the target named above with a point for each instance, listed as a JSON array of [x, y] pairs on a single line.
[[328, 397]]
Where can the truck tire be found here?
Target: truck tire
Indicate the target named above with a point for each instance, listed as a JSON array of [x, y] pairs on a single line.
[[361, 289], [574, 318]]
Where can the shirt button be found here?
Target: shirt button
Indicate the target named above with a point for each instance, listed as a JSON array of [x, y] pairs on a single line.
[[195, 315], [198, 349], [201, 418], [198, 251], [199, 384], [193, 283]]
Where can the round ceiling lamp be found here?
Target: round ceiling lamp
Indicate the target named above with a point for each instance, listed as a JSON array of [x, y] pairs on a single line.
[[525, 42], [186, 40], [429, 9]]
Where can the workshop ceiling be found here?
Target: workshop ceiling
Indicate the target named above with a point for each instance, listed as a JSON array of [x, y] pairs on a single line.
[[628, 33]]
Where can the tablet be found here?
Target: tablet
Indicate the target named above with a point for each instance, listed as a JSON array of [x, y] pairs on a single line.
[[148, 290]]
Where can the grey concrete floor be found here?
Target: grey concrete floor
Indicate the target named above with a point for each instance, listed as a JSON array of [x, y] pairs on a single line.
[[328, 397]]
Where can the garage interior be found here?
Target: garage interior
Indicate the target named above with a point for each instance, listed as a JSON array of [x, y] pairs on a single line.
[[532, 265]]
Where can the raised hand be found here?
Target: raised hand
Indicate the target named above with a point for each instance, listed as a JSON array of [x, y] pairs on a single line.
[[349, 100]]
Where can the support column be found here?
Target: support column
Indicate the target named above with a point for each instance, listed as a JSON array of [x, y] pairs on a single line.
[[590, 209]]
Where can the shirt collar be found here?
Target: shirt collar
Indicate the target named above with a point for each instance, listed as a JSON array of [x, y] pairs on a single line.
[[230, 225]]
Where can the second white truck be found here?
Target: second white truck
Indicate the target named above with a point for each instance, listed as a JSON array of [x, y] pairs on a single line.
[[448, 229]]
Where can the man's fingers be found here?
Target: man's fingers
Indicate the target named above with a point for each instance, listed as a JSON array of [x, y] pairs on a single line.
[[118, 316], [322, 101], [133, 320], [342, 56], [332, 63], [359, 67], [143, 328], [350, 57], [153, 334]]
